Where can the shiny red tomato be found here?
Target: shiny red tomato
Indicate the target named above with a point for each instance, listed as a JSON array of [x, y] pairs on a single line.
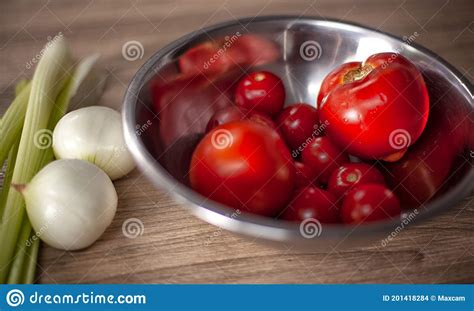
[[305, 175], [323, 157], [351, 174], [297, 124], [375, 109], [369, 202], [234, 113], [261, 91], [244, 165], [312, 202]]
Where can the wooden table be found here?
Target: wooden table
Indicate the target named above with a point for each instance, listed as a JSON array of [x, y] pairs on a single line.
[[175, 246]]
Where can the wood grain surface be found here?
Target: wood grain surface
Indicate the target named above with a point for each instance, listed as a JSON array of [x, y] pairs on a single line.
[[176, 247]]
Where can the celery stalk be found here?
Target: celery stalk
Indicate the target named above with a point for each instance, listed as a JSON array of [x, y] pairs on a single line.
[[30, 264], [48, 79], [20, 86], [15, 276], [71, 89], [8, 178], [12, 122]]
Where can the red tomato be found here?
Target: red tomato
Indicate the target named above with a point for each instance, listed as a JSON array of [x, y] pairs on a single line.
[[304, 175], [375, 111], [323, 157], [261, 91], [312, 202], [351, 174], [244, 165], [297, 123], [369, 202], [234, 113]]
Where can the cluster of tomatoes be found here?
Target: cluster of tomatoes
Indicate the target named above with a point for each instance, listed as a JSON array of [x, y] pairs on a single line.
[[307, 161]]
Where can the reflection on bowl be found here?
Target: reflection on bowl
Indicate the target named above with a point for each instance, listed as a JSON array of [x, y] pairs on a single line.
[[166, 112]]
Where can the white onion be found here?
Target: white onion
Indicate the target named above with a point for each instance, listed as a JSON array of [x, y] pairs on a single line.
[[94, 134], [70, 203]]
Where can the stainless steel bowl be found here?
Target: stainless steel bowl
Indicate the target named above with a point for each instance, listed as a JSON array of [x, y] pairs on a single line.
[[309, 48]]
